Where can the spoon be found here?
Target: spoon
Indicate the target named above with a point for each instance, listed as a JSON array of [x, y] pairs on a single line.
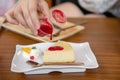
[[35, 64]]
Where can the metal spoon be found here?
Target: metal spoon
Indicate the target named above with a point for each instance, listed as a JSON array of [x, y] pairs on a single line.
[[35, 64]]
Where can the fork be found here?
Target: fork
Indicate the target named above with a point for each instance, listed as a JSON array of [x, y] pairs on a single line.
[[63, 29]]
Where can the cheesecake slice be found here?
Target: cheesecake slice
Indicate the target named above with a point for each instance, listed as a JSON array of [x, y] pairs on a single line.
[[59, 53]]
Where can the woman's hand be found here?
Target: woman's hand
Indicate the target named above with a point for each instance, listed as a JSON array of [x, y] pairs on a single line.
[[25, 12]]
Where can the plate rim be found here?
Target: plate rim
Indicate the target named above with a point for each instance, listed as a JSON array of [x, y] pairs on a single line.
[[19, 45]]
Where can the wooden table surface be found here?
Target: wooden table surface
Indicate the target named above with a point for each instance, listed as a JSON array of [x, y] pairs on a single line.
[[103, 36]]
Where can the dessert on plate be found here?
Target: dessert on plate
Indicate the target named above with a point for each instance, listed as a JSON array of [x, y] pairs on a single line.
[[59, 53]]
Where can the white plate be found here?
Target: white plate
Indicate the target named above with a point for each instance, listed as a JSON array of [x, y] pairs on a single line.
[[83, 53]]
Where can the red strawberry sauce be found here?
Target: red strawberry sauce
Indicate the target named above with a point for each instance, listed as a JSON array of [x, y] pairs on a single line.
[[32, 57], [45, 28], [54, 48]]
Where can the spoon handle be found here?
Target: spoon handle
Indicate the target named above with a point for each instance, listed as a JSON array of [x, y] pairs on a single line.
[[35, 64]]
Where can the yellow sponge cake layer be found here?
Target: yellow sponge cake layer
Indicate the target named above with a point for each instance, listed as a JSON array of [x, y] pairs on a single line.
[[64, 54]]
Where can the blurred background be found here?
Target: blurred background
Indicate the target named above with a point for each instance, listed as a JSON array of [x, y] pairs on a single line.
[[57, 2], [5, 5]]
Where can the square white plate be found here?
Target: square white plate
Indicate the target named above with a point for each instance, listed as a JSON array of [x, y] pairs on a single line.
[[83, 53]]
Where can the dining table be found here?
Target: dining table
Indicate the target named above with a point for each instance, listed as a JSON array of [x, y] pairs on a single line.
[[103, 35]]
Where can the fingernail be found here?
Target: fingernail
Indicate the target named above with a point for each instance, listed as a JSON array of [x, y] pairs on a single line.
[[37, 26], [15, 22], [35, 32]]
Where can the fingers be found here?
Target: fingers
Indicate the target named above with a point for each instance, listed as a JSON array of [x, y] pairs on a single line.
[[33, 13], [10, 16], [19, 16], [27, 16]]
